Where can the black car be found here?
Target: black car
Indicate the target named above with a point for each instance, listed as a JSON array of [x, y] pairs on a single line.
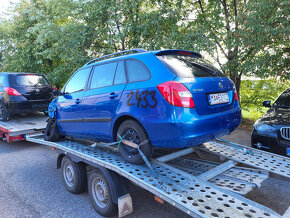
[[272, 130], [23, 93]]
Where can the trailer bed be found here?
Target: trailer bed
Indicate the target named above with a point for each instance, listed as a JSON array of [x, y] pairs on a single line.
[[19, 125], [199, 188]]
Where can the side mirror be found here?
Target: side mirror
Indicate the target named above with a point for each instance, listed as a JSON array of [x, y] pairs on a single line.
[[67, 96], [267, 103]]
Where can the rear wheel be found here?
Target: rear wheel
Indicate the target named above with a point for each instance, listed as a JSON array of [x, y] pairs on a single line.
[[4, 113], [51, 132], [100, 194], [74, 175], [134, 132]]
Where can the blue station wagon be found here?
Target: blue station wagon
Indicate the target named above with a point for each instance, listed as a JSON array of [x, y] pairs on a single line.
[[174, 98]]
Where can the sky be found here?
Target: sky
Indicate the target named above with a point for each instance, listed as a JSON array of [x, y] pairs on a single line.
[[4, 5]]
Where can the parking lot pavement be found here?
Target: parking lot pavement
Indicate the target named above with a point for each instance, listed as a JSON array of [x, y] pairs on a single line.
[[31, 186]]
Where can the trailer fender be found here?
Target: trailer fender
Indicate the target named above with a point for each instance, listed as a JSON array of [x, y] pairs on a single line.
[[62, 154], [118, 184]]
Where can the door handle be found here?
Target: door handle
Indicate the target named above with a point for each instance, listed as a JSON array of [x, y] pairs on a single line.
[[78, 101], [113, 95]]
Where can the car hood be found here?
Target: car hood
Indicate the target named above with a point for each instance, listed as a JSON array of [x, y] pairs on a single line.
[[276, 116]]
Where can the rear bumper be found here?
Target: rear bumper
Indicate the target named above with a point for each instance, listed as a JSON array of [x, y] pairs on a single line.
[[193, 131], [270, 144], [27, 106]]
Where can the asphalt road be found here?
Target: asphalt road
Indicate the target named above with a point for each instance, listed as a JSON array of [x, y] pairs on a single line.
[[31, 186]]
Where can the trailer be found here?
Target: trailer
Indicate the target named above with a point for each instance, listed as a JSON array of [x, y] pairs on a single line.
[[200, 188], [20, 126]]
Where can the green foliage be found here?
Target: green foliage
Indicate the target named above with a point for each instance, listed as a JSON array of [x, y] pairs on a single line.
[[57, 37], [254, 92]]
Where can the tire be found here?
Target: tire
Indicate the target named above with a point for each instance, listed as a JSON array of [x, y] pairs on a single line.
[[74, 175], [4, 113], [135, 133], [51, 132], [100, 194]]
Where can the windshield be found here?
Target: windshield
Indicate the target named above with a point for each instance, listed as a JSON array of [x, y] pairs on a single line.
[[283, 100], [31, 80], [189, 66]]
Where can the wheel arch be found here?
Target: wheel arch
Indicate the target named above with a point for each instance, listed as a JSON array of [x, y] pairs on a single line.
[[120, 120]]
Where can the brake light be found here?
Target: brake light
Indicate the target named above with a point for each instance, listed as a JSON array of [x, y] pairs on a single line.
[[236, 96], [176, 94], [11, 91]]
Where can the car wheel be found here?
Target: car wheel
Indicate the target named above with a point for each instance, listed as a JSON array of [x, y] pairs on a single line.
[[4, 113], [51, 132], [134, 132], [74, 175], [100, 194]]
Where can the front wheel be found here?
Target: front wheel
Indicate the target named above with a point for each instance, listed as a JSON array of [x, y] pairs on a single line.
[[51, 132], [135, 133]]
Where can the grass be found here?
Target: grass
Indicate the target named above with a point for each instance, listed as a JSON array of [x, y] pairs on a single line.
[[249, 117]]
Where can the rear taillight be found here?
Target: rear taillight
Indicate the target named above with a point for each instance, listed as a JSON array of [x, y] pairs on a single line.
[[236, 96], [176, 94], [11, 91]]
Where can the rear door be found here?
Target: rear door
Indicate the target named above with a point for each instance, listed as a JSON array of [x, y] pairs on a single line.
[[32, 86], [70, 106], [101, 100], [212, 91]]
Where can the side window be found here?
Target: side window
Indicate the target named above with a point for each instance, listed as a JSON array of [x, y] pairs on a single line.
[[103, 75], [2, 79], [137, 71], [78, 81], [120, 76]]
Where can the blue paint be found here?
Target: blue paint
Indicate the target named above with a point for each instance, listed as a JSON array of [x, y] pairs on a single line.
[[92, 113]]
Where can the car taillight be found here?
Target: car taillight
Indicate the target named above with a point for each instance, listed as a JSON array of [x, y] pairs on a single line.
[[11, 91], [176, 94], [236, 96]]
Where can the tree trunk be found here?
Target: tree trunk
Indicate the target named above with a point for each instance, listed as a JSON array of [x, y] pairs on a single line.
[[237, 80]]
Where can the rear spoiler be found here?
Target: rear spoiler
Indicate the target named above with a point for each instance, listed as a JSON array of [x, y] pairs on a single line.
[[178, 52]]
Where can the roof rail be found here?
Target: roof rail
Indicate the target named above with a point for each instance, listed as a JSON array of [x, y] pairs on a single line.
[[126, 52]]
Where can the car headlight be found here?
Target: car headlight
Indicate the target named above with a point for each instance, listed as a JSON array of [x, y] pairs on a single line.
[[263, 128]]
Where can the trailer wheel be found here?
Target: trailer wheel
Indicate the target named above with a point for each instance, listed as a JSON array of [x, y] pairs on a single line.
[[74, 175], [4, 113], [134, 132], [100, 194], [51, 132]]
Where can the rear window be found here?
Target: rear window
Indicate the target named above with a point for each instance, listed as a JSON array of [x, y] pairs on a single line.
[[283, 100], [31, 80], [189, 66]]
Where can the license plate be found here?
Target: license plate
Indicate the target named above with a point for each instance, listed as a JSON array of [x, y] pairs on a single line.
[[218, 98], [288, 152]]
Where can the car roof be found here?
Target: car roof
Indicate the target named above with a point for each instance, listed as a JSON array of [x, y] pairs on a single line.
[[122, 55], [15, 73]]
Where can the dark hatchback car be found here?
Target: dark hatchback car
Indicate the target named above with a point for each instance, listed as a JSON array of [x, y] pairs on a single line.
[[272, 130], [23, 93]]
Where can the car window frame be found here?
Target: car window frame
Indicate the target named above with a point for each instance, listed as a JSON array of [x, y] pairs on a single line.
[[92, 72], [126, 77], [135, 59], [86, 84]]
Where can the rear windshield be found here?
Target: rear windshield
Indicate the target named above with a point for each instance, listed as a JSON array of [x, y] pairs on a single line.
[[189, 66], [283, 100], [31, 80]]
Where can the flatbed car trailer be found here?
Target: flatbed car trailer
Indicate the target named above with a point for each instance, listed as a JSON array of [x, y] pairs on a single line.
[[20, 126], [198, 187]]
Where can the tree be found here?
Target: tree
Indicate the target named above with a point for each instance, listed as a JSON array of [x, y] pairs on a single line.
[[249, 35]]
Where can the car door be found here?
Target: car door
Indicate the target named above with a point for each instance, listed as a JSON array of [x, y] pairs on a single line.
[[70, 105], [101, 99]]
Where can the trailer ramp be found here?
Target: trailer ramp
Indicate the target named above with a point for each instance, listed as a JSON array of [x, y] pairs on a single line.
[[189, 193]]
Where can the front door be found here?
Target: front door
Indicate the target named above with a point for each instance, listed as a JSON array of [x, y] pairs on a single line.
[[102, 98], [70, 105]]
